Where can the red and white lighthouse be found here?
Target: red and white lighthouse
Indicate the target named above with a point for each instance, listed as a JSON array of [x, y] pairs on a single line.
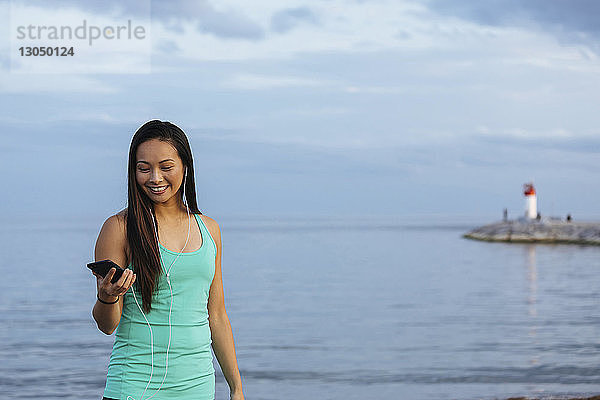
[[530, 201]]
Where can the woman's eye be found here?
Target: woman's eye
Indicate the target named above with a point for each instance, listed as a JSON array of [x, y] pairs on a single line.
[[146, 169]]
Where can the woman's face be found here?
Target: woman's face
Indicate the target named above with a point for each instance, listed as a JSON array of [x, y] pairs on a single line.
[[158, 170]]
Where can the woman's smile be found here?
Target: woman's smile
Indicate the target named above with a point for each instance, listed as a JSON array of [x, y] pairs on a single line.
[[158, 189]]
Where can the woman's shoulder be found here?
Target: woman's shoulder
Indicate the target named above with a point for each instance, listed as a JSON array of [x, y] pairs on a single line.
[[210, 222], [112, 240], [212, 226], [122, 215], [116, 224]]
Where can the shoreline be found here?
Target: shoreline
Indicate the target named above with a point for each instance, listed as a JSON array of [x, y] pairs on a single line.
[[597, 397]]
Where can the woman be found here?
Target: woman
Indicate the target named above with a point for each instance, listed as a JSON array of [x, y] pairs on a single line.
[[166, 322]]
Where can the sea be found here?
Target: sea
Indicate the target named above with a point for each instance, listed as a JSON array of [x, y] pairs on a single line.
[[328, 307]]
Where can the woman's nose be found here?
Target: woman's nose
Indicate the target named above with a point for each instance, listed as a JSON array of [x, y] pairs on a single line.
[[155, 176]]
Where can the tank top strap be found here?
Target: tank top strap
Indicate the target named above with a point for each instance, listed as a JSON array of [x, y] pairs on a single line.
[[205, 233]]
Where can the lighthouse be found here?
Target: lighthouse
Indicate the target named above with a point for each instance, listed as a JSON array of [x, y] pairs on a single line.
[[530, 201]]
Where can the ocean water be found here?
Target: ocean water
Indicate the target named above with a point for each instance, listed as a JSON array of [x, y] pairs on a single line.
[[328, 308]]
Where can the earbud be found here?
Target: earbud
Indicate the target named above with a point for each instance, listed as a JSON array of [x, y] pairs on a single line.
[[183, 186]]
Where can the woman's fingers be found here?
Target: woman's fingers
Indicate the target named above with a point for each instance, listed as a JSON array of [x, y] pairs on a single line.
[[128, 282], [122, 282], [104, 282], [108, 277], [120, 287], [111, 288], [131, 280]]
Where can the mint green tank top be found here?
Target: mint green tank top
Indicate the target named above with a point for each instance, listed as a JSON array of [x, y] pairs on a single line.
[[190, 371]]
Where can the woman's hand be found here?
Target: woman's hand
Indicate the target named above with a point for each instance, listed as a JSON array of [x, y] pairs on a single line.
[[107, 291]]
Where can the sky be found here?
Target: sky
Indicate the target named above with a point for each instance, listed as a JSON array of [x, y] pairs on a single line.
[[331, 107]]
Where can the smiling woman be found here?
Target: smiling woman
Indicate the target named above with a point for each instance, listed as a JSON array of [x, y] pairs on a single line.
[[164, 344], [150, 173]]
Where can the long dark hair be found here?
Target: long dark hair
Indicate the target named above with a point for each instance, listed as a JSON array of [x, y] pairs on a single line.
[[141, 237]]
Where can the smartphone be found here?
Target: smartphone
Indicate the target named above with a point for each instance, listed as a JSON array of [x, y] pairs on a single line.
[[102, 268]]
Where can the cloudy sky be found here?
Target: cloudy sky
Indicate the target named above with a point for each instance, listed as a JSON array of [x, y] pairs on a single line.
[[328, 107]]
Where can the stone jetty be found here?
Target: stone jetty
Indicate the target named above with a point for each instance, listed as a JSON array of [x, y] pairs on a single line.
[[525, 230]]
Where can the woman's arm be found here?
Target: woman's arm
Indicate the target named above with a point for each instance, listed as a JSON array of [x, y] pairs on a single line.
[[111, 245], [220, 328]]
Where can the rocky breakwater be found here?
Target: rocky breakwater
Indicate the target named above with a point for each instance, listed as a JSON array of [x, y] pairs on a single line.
[[538, 231]]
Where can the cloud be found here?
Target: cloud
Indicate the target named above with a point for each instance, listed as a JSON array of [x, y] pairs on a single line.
[[375, 89], [530, 140], [229, 25], [285, 20], [221, 23], [573, 20], [259, 82], [168, 46], [4, 62], [37, 84]]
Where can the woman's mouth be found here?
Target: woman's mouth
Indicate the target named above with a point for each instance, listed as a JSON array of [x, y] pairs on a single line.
[[158, 189]]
